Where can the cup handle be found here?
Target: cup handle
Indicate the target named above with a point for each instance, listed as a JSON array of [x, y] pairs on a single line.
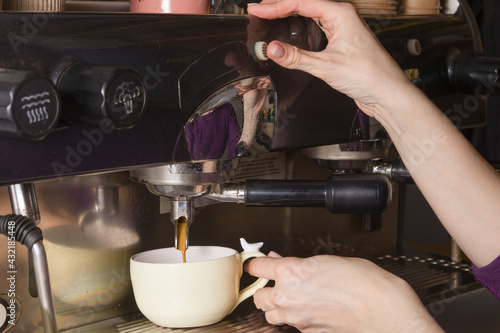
[[259, 283]]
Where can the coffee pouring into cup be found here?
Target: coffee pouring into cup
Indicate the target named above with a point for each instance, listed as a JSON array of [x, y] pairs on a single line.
[[200, 292]]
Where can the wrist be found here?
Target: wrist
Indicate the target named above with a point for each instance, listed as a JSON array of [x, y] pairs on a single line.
[[403, 108]]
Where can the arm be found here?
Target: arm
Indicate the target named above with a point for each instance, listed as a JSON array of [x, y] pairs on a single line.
[[253, 100], [462, 189]]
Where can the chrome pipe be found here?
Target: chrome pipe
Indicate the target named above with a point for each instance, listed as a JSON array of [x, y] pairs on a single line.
[[44, 290], [229, 193], [24, 202]]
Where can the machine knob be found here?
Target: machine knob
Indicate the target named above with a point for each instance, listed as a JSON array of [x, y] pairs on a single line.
[[471, 72], [29, 105], [91, 93]]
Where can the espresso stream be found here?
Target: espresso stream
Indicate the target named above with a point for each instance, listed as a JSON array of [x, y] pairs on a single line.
[[181, 237]]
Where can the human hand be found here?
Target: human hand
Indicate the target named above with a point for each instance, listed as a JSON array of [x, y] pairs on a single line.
[[255, 94], [336, 294], [354, 62]]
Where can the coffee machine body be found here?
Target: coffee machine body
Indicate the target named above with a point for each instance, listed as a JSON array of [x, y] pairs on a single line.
[[179, 70]]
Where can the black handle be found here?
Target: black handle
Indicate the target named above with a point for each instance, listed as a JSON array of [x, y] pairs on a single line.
[[472, 72], [340, 194], [349, 194], [285, 193]]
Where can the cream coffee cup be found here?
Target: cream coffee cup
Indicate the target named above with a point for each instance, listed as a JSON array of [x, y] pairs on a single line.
[[200, 292]]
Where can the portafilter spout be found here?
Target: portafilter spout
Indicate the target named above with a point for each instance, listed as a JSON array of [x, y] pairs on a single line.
[[182, 215], [182, 184]]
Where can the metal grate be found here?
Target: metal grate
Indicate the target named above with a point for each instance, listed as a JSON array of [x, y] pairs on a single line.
[[428, 276], [245, 319]]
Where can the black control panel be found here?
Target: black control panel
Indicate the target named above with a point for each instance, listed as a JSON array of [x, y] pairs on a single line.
[[31, 105]]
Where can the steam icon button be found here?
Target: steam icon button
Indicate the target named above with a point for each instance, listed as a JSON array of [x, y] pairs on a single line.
[[36, 111], [126, 93], [91, 93], [127, 99]]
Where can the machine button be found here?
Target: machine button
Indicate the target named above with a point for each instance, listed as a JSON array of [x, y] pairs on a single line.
[[414, 47], [260, 49], [29, 105], [91, 93]]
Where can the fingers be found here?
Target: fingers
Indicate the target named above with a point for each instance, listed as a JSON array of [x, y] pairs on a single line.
[[284, 8], [263, 299], [275, 255], [292, 57], [276, 314], [262, 267], [274, 317]]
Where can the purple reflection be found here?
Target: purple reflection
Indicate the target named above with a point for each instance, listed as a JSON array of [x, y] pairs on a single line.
[[209, 136]]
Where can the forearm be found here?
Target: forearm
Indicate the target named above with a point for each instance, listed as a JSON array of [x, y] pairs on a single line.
[[461, 187]]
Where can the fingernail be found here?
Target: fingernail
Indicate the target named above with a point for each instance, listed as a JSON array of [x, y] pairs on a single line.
[[252, 4], [275, 255], [278, 51]]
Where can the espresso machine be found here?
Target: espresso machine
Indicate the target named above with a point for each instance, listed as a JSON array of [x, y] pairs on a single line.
[[116, 128]]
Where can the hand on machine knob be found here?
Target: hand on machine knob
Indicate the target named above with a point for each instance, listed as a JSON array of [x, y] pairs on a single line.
[[91, 93], [29, 105]]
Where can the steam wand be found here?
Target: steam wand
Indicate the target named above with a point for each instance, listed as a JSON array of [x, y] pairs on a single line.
[[21, 226], [24, 230]]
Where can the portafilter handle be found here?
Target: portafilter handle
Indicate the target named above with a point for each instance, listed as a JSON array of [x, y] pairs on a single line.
[[473, 72], [340, 194]]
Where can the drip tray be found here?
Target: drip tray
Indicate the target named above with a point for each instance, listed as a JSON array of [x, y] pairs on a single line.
[[449, 292], [246, 318], [429, 276]]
